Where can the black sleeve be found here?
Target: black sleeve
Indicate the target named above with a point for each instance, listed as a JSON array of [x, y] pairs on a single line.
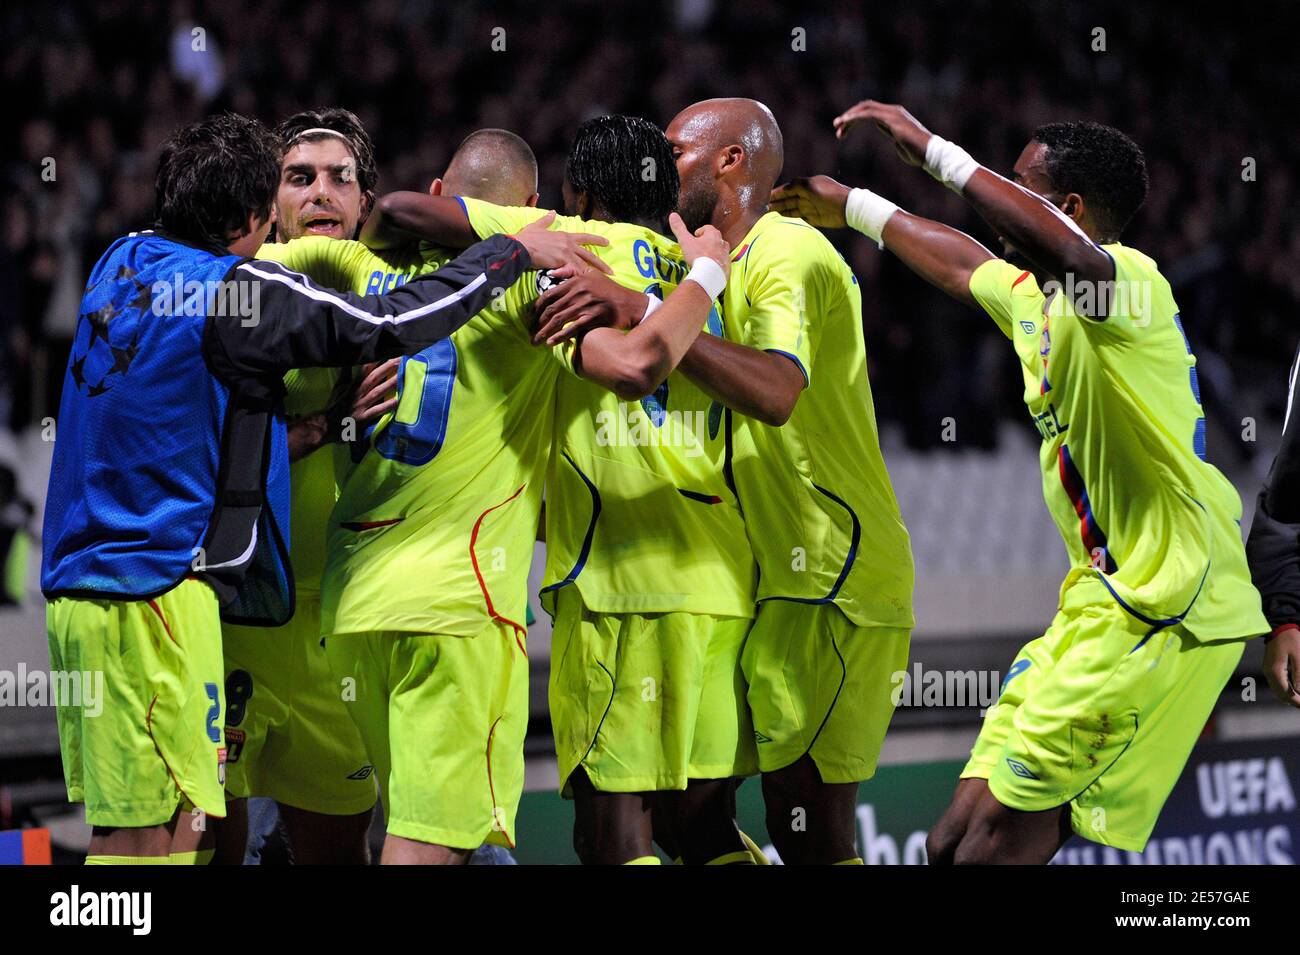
[[1273, 547], [298, 324]]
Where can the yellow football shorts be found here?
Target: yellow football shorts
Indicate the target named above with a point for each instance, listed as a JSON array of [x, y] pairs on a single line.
[[1100, 712], [646, 702], [144, 733], [443, 719], [821, 685], [289, 734]]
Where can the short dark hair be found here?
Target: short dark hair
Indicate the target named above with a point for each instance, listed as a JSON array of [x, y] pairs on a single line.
[[213, 175], [608, 161], [344, 122], [1099, 163]]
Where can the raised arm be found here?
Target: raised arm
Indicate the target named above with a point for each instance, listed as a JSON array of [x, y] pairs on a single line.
[[633, 364], [1033, 225], [938, 253]]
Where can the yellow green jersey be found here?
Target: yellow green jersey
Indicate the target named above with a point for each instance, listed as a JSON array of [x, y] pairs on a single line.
[[1117, 404], [818, 504], [434, 525], [307, 391], [639, 514]]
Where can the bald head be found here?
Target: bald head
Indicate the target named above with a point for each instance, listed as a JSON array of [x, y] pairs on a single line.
[[728, 147], [494, 165]]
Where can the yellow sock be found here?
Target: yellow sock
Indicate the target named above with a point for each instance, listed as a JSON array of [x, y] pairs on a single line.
[[854, 861], [128, 860], [644, 860], [198, 857], [740, 857]]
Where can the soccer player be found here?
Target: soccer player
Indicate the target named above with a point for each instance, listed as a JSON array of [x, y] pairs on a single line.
[[449, 494], [1097, 717], [169, 488], [835, 565], [648, 576], [381, 478], [288, 733]]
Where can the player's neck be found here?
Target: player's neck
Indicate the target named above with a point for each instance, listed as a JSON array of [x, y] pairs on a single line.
[[735, 225]]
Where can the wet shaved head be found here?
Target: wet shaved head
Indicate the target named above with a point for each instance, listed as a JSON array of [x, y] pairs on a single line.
[[729, 152], [494, 165]]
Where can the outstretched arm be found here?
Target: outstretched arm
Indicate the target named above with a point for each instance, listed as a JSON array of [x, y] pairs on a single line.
[[761, 385], [1046, 236], [298, 324], [633, 364], [400, 218], [938, 253]]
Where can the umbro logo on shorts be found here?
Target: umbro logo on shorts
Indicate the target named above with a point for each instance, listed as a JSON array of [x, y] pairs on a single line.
[[1020, 769], [362, 773]]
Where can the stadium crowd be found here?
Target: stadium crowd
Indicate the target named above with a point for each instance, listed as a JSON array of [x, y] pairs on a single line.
[[421, 75]]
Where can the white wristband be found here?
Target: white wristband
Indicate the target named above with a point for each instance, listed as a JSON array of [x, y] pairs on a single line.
[[868, 213], [652, 303], [708, 275], [949, 163]]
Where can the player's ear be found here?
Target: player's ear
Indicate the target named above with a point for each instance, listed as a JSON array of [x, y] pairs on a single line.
[[435, 187], [1073, 206], [729, 158], [367, 203], [532, 200]]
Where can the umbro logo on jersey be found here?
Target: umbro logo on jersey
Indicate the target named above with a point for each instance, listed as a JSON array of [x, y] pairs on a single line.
[[1020, 769], [1029, 327], [362, 773], [760, 738]]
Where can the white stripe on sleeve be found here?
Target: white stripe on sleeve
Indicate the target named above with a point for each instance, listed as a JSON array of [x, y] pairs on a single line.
[[299, 284]]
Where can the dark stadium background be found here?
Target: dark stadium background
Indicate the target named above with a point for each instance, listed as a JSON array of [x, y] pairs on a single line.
[[1208, 91]]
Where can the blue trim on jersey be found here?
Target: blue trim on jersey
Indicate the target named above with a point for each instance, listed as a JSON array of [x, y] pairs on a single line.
[[463, 208], [1156, 625], [785, 354], [585, 552], [848, 561], [1198, 435]]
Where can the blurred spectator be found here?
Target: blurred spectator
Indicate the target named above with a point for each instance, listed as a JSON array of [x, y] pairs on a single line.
[[98, 86]]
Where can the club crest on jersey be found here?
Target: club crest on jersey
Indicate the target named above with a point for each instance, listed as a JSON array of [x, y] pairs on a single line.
[[655, 405]]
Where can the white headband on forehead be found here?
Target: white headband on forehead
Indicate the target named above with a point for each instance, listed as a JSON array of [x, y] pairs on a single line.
[[323, 131], [349, 172]]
